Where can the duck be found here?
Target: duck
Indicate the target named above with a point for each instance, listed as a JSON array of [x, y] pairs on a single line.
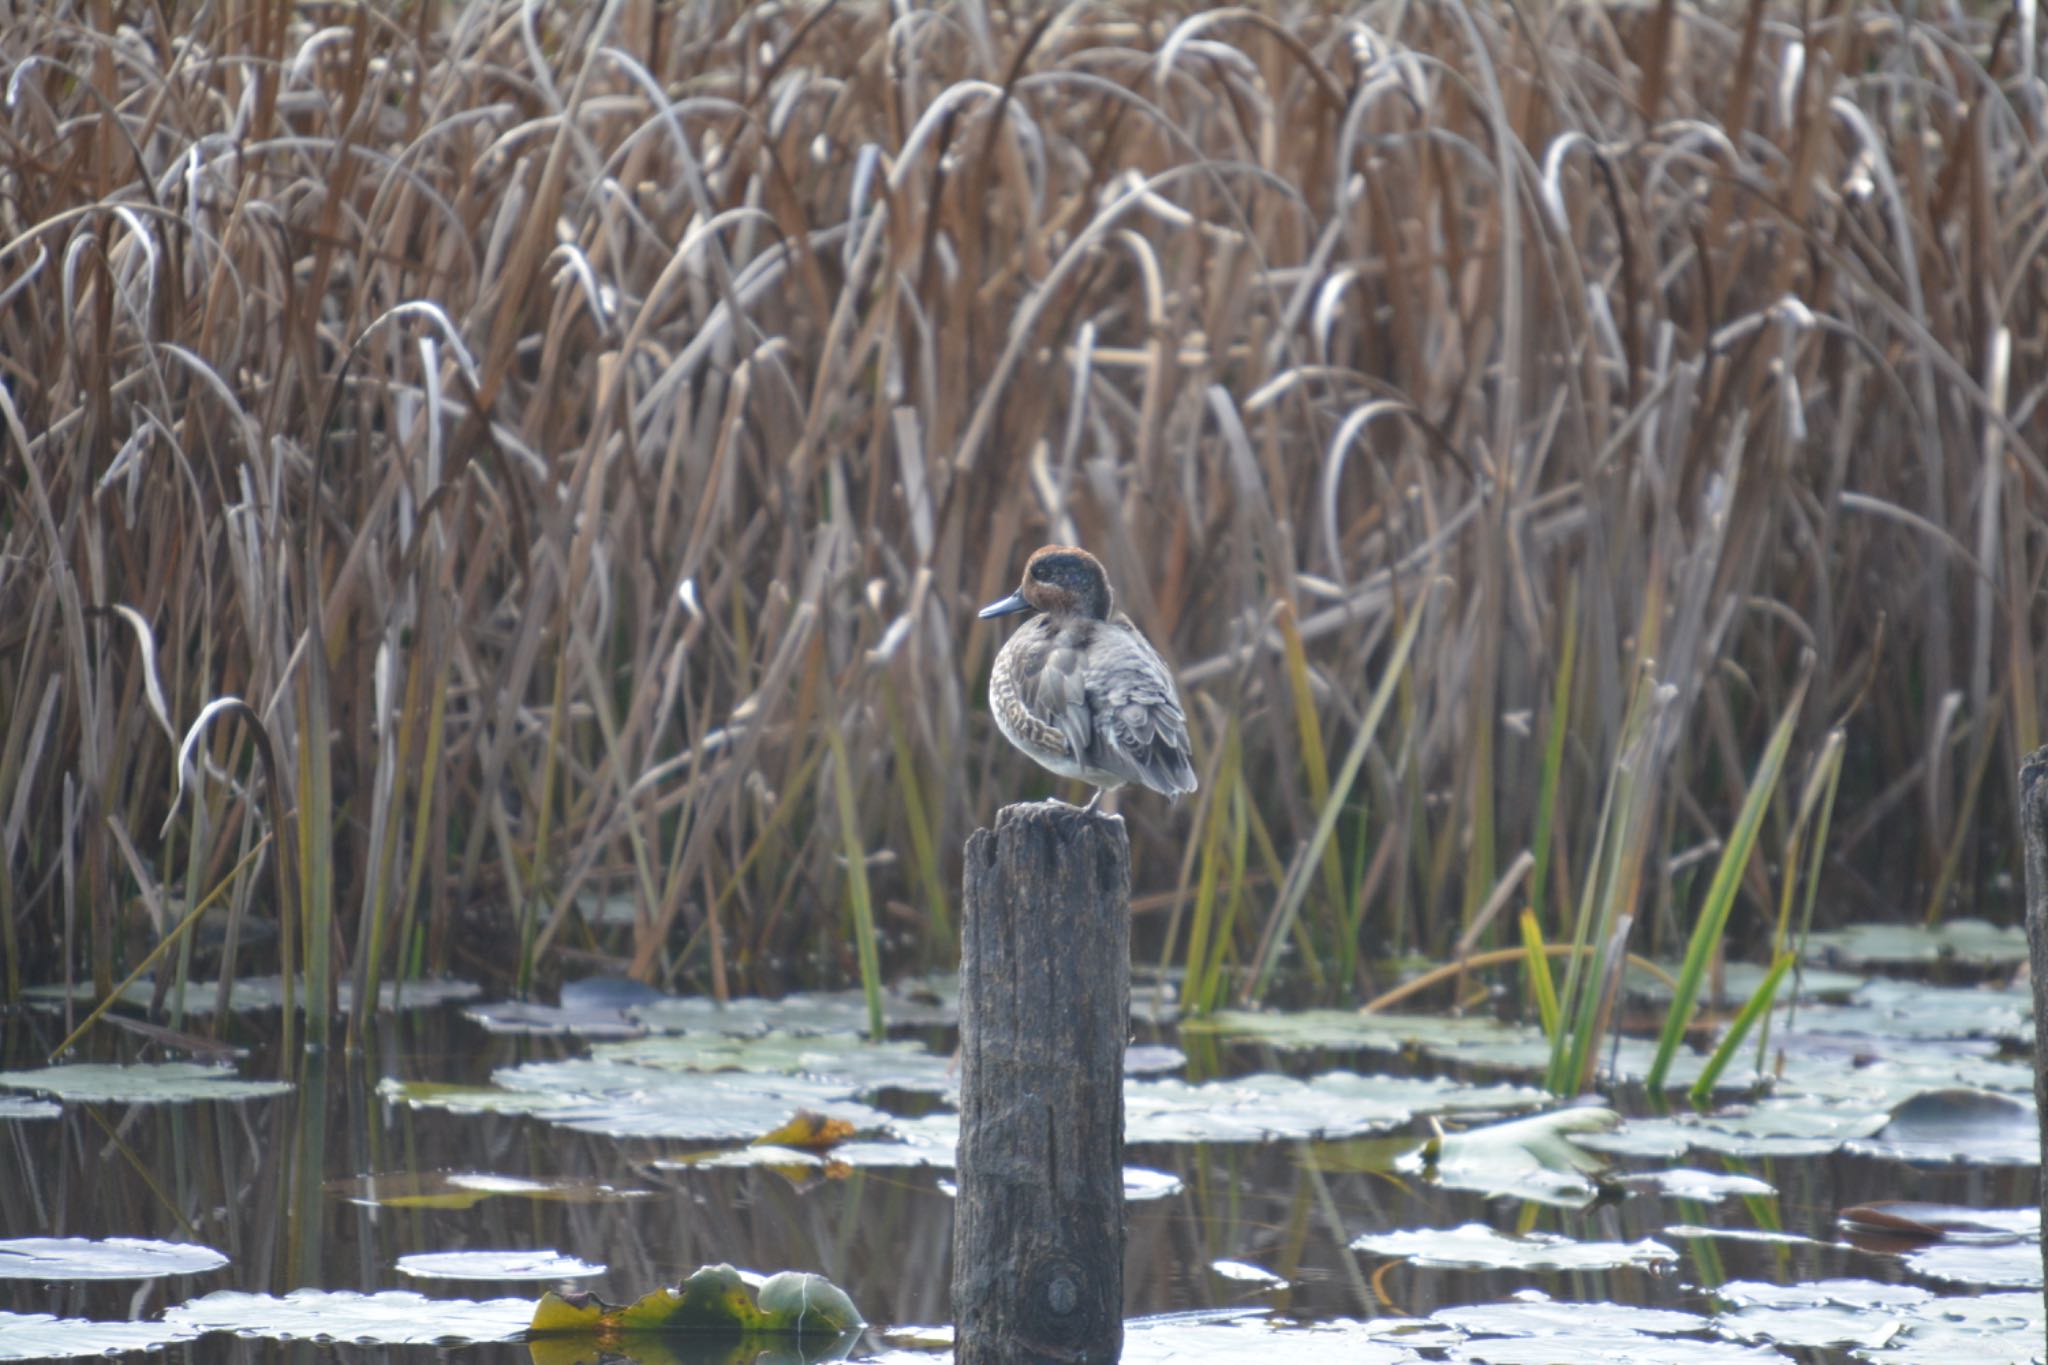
[[1080, 689]]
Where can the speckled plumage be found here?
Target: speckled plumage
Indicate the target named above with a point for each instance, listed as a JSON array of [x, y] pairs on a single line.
[[1079, 689]]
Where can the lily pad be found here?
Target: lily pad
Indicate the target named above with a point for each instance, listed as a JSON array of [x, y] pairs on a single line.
[[253, 994], [1707, 1187], [114, 1258], [1141, 1184], [1267, 1106], [620, 1100], [854, 1065], [1967, 1327], [2009, 1265], [1813, 1325], [1233, 1336], [1689, 1232], [1971, 942], [1739, 981], [38, 1336], [923, 1002], [1899, 1323], [496, 1265], [796, 1163], [1912, 1219], [1959, 1125], [1440, 1035], [148, 1083], [1539, 1316], [467, 1189], [1774, 1127], [392, 1318], [1460, 1040], [591, 1007], [1888, 1009], [1534, 1157], [1537, 1331], [21, 1107], [1475, 1246], [1153, 1059], [531, 1017], [716, 1301]]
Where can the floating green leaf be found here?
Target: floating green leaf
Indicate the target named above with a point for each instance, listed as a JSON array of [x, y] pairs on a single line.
[[921, 1002], [114, 1258], [1960, 1124], [2011, 1264], [1795, 1126], [1739, 981], [38, 1336], [1234, 1336], [467, 1189], [1971, 942], [1897, 1324], [1537, 1331], [1439, 1035], [1887, 1009], [853, 1065], [1534, 1157], [594, 1095], [1706, 1187], [253, 994], [1267, 1106], [148, 1083], [392, 1318], [1475, 1246], [716, 1301], [545, 1264]]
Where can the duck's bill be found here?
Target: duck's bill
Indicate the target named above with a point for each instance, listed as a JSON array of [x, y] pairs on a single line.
[[1013, 603]]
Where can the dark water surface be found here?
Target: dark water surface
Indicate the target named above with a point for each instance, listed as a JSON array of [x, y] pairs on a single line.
[[267, 1181]]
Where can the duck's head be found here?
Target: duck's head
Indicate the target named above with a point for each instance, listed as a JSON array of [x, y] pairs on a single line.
[[1059, 580]]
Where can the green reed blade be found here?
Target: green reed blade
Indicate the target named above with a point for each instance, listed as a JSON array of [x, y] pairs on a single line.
[[1817, 808], [856, 876], [1537, 971], [1296, 886], [316, 837], [170, 940], [1706, 934], [1755, 1008], [923, 839], [1315, 762], [1201, 920], [1553, 752], [1221, 941]]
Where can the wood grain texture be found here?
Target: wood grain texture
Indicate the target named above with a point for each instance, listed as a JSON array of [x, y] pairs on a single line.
[[2034, 832], [1045, 985]]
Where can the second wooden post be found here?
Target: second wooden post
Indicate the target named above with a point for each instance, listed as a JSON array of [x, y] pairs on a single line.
[[1045, 989], [2034, 836]]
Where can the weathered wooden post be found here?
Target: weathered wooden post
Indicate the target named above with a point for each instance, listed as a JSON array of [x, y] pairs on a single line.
[[1045, 992], [2034, 831]]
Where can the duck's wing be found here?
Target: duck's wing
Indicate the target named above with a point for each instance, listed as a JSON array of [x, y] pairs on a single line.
[[1053, 686], [1140, 729]]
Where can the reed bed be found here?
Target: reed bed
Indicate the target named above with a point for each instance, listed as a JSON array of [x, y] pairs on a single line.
[[579, 436]]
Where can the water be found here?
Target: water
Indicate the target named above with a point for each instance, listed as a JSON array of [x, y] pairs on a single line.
[[273, 1183]]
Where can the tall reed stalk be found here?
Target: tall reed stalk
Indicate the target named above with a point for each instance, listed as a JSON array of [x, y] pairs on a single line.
[[544, 415]]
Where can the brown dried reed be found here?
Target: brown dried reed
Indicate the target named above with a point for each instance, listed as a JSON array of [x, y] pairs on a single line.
[[564, 424]]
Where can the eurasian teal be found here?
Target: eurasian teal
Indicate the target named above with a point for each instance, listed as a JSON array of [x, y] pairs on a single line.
[[1079, 689]]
